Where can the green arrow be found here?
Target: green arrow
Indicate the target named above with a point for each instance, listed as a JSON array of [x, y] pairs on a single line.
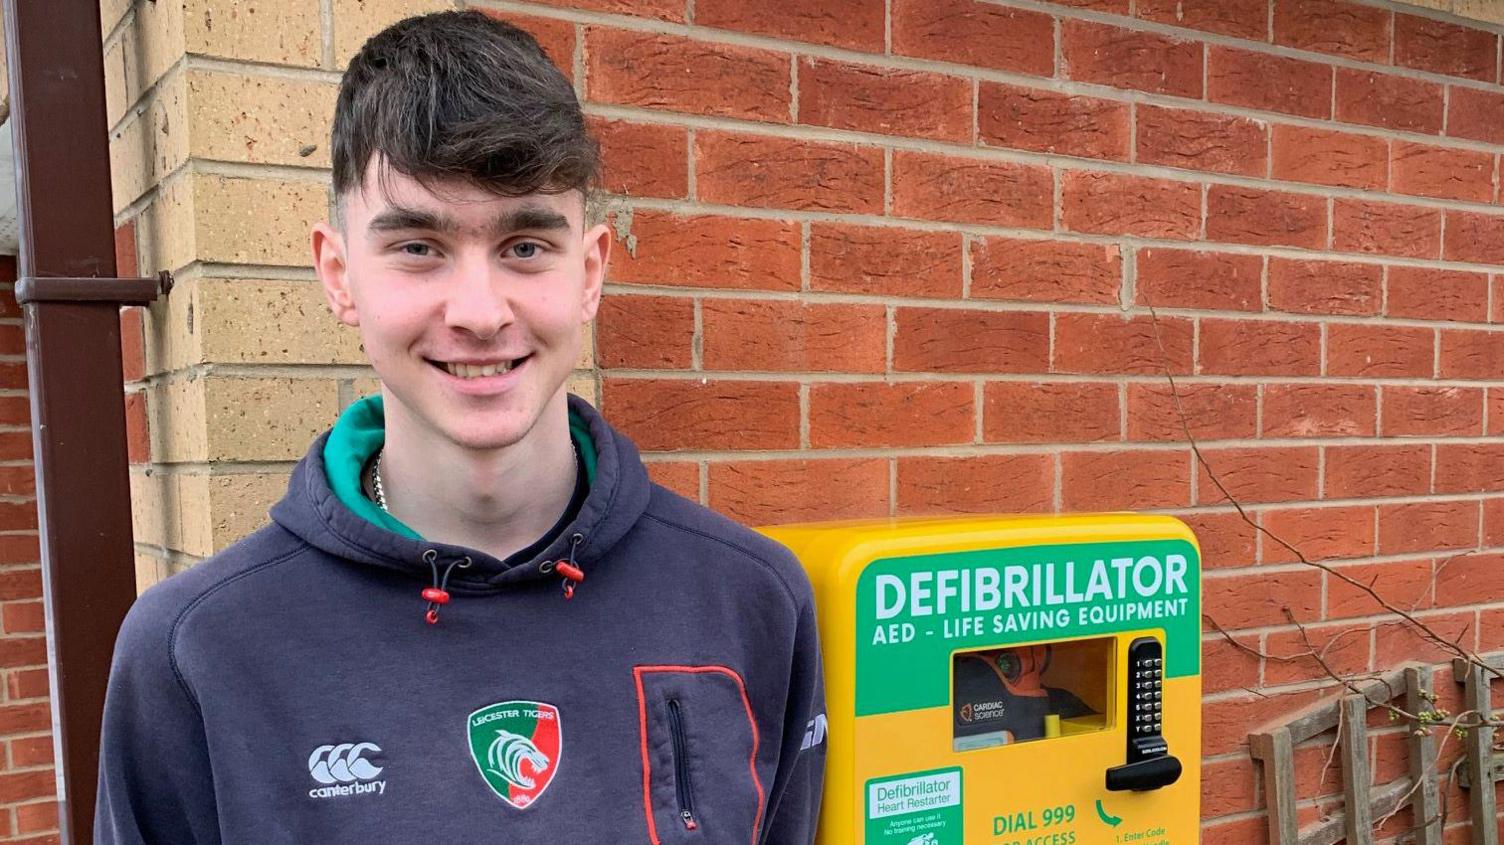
[[1102, 814]]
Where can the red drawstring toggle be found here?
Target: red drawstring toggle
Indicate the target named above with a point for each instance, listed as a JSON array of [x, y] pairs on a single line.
[[437, 596], [572, 576]]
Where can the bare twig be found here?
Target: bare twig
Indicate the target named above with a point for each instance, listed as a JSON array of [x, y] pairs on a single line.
[[1425, 721], [1425, 630], [1331, 756]]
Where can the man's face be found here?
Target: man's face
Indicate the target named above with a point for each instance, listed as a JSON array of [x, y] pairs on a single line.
[[470, 305]]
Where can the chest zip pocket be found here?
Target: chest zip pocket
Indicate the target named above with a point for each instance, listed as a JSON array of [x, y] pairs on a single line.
[[682, 785], [700, 779]]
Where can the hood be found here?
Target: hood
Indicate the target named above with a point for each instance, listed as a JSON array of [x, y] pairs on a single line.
[[313, 511]]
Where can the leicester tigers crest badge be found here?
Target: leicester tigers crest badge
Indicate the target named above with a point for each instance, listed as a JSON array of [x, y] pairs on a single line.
[[516, 745]]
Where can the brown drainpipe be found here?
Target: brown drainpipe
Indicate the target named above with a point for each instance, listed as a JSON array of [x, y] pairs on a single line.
[[71, 302]]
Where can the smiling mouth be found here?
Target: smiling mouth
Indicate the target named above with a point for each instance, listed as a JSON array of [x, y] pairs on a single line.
[[469, 371]]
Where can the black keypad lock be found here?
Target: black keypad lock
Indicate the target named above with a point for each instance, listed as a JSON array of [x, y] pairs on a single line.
[[1149, 762]]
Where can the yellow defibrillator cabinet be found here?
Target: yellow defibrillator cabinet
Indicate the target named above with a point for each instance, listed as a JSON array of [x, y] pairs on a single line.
[[1008, 680]]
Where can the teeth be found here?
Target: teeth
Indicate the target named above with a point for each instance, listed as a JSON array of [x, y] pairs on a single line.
[[477, 370]]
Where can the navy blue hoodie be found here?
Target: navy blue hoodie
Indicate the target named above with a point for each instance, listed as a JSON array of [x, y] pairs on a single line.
[[290, 690]]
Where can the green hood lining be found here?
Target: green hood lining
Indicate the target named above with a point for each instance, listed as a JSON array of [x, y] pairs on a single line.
[[361, 430]]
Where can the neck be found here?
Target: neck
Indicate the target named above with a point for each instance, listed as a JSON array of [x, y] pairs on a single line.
[[499, 501]]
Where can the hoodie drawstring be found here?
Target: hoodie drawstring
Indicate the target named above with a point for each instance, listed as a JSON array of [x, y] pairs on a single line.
[[569, 569], [438, 594]]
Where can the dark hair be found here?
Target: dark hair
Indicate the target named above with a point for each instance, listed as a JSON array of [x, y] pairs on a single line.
[[461, 95]]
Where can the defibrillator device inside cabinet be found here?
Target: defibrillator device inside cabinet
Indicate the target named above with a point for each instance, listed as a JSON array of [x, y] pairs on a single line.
[[1008, 680]]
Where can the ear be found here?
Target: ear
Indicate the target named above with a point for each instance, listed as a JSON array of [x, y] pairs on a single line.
[[333, 270], [597, 253]]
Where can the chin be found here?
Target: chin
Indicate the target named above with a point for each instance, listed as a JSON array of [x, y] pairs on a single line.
[[486, 436]]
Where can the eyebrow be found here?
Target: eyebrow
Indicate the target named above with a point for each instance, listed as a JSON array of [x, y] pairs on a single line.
[[527, 217]]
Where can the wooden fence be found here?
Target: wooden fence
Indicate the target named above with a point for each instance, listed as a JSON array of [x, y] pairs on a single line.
[[1365, 803]]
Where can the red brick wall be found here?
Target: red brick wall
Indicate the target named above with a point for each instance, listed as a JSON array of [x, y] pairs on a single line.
[[28, 811], [892, 257], [28, 806]]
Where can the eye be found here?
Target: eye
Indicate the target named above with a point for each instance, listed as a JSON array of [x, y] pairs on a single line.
[[527, 249], [417, 250]]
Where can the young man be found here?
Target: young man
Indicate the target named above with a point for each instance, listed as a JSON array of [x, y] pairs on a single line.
[[473, 618]]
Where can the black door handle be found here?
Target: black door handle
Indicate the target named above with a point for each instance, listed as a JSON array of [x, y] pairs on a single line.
[[1152, 773]]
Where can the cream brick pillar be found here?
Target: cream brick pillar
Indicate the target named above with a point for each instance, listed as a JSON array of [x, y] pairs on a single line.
[[1488, 11], [220, 116]]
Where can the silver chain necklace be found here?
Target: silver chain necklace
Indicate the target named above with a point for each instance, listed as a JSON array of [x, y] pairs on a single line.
[[376, 483]]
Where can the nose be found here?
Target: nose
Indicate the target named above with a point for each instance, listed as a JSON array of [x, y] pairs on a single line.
[[478, 299]]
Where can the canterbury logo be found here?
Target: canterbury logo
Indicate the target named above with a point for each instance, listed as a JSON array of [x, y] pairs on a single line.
[[814, 732], [343, 763], [505, 756]]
